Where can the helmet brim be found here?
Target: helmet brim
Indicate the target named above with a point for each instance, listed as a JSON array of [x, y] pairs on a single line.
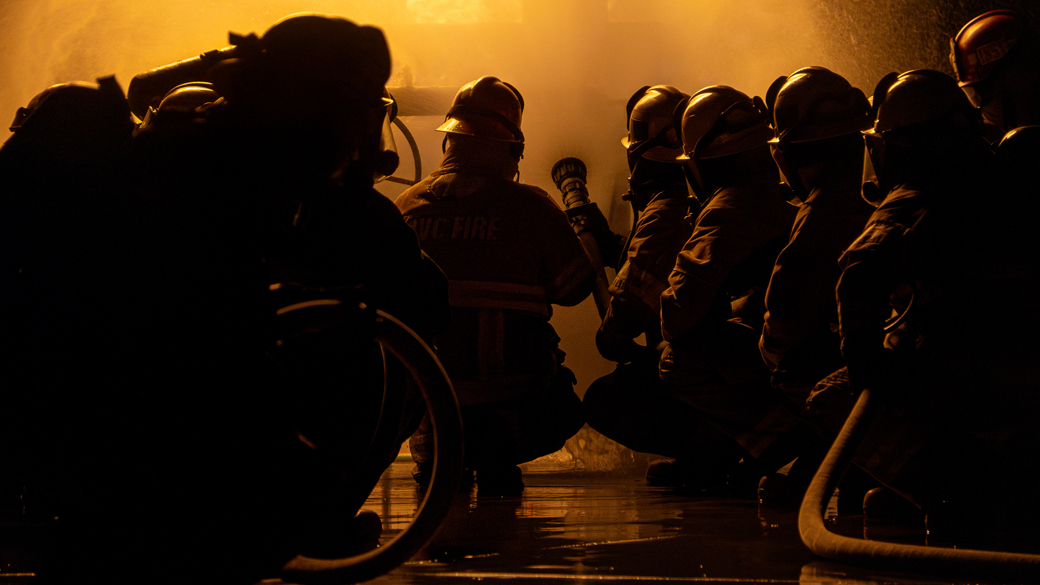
[[480, 128]]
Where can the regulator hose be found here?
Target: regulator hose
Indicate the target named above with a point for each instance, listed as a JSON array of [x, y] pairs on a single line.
[[887, 555], [414, 146]]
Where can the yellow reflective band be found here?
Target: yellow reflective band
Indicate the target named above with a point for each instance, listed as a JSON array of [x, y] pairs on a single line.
[[498, 295]]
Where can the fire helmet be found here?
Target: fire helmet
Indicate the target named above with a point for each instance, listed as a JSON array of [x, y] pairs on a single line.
[[184, 97], [811, 104], [652, 133], [719, 121], [486, 108], [983, 43], [1018, 157], [327, 56], [1021, 139], [189, 96], [815, 103], [922, 111], [75, 113], [920, 97]]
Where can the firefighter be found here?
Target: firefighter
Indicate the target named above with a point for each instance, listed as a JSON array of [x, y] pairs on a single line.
[[659, 198], [996, 59], [818, 148], [712, 310], [919, 306], [59, 172], [510, 254], [191, 428], [629, 405]]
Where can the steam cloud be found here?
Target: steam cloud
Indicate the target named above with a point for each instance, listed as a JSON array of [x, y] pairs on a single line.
[[576, 62]]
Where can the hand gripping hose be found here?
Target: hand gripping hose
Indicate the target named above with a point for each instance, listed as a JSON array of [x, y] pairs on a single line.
[[886, 555], [443, 411], [569, 174]]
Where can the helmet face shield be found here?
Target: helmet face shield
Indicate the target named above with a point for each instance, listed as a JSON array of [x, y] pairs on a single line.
[[974, 95], [387, 143], [792, 191], [873, 161]]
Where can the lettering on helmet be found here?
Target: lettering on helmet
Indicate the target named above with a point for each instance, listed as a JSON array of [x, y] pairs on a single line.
[[990, 52], [460, 227]]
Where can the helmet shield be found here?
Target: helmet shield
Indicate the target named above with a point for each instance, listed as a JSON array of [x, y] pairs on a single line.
[[387, 143], [873, 161], [790, 189]]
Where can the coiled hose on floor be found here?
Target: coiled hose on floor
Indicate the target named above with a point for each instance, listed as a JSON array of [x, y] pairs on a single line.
[[886, 555], [443, 412]]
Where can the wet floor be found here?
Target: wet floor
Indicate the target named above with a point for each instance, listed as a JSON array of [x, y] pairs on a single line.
[[588, 515], [574, 525]]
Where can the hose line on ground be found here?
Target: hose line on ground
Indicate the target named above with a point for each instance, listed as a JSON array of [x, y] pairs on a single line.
[[887, 555]]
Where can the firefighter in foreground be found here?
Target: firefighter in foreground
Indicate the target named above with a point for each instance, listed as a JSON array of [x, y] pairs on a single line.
[[184, 457], [921, 304], [510, 254], [630, 405], [712, 310]]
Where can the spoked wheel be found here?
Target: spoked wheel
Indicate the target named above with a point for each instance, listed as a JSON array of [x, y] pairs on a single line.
[[396, 339]]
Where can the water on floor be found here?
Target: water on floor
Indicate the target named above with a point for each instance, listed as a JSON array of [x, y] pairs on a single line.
[[589, 515]]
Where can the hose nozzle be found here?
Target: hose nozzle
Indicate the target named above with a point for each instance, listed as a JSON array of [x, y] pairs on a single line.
[[569, 174]]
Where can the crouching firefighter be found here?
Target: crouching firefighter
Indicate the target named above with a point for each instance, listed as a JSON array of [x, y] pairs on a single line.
[[510, 254], [631, 405], [199, 432]]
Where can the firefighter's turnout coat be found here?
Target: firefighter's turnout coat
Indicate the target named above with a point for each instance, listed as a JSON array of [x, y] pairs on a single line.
[[509, 253]]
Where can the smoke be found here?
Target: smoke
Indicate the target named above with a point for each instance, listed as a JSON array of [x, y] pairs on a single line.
[[575, 61]]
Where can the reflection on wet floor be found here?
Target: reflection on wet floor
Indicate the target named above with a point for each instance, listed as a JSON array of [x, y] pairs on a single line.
[[587, 514], [581, 526], [576, 525]]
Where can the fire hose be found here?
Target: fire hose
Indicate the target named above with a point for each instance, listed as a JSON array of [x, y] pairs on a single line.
[[442, 409], [570, 174], [886, 555]]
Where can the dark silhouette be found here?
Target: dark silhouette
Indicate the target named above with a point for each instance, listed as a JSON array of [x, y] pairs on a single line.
[[631, 405], [510, 254], [920, 303], [175, 421], [712, 311]]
